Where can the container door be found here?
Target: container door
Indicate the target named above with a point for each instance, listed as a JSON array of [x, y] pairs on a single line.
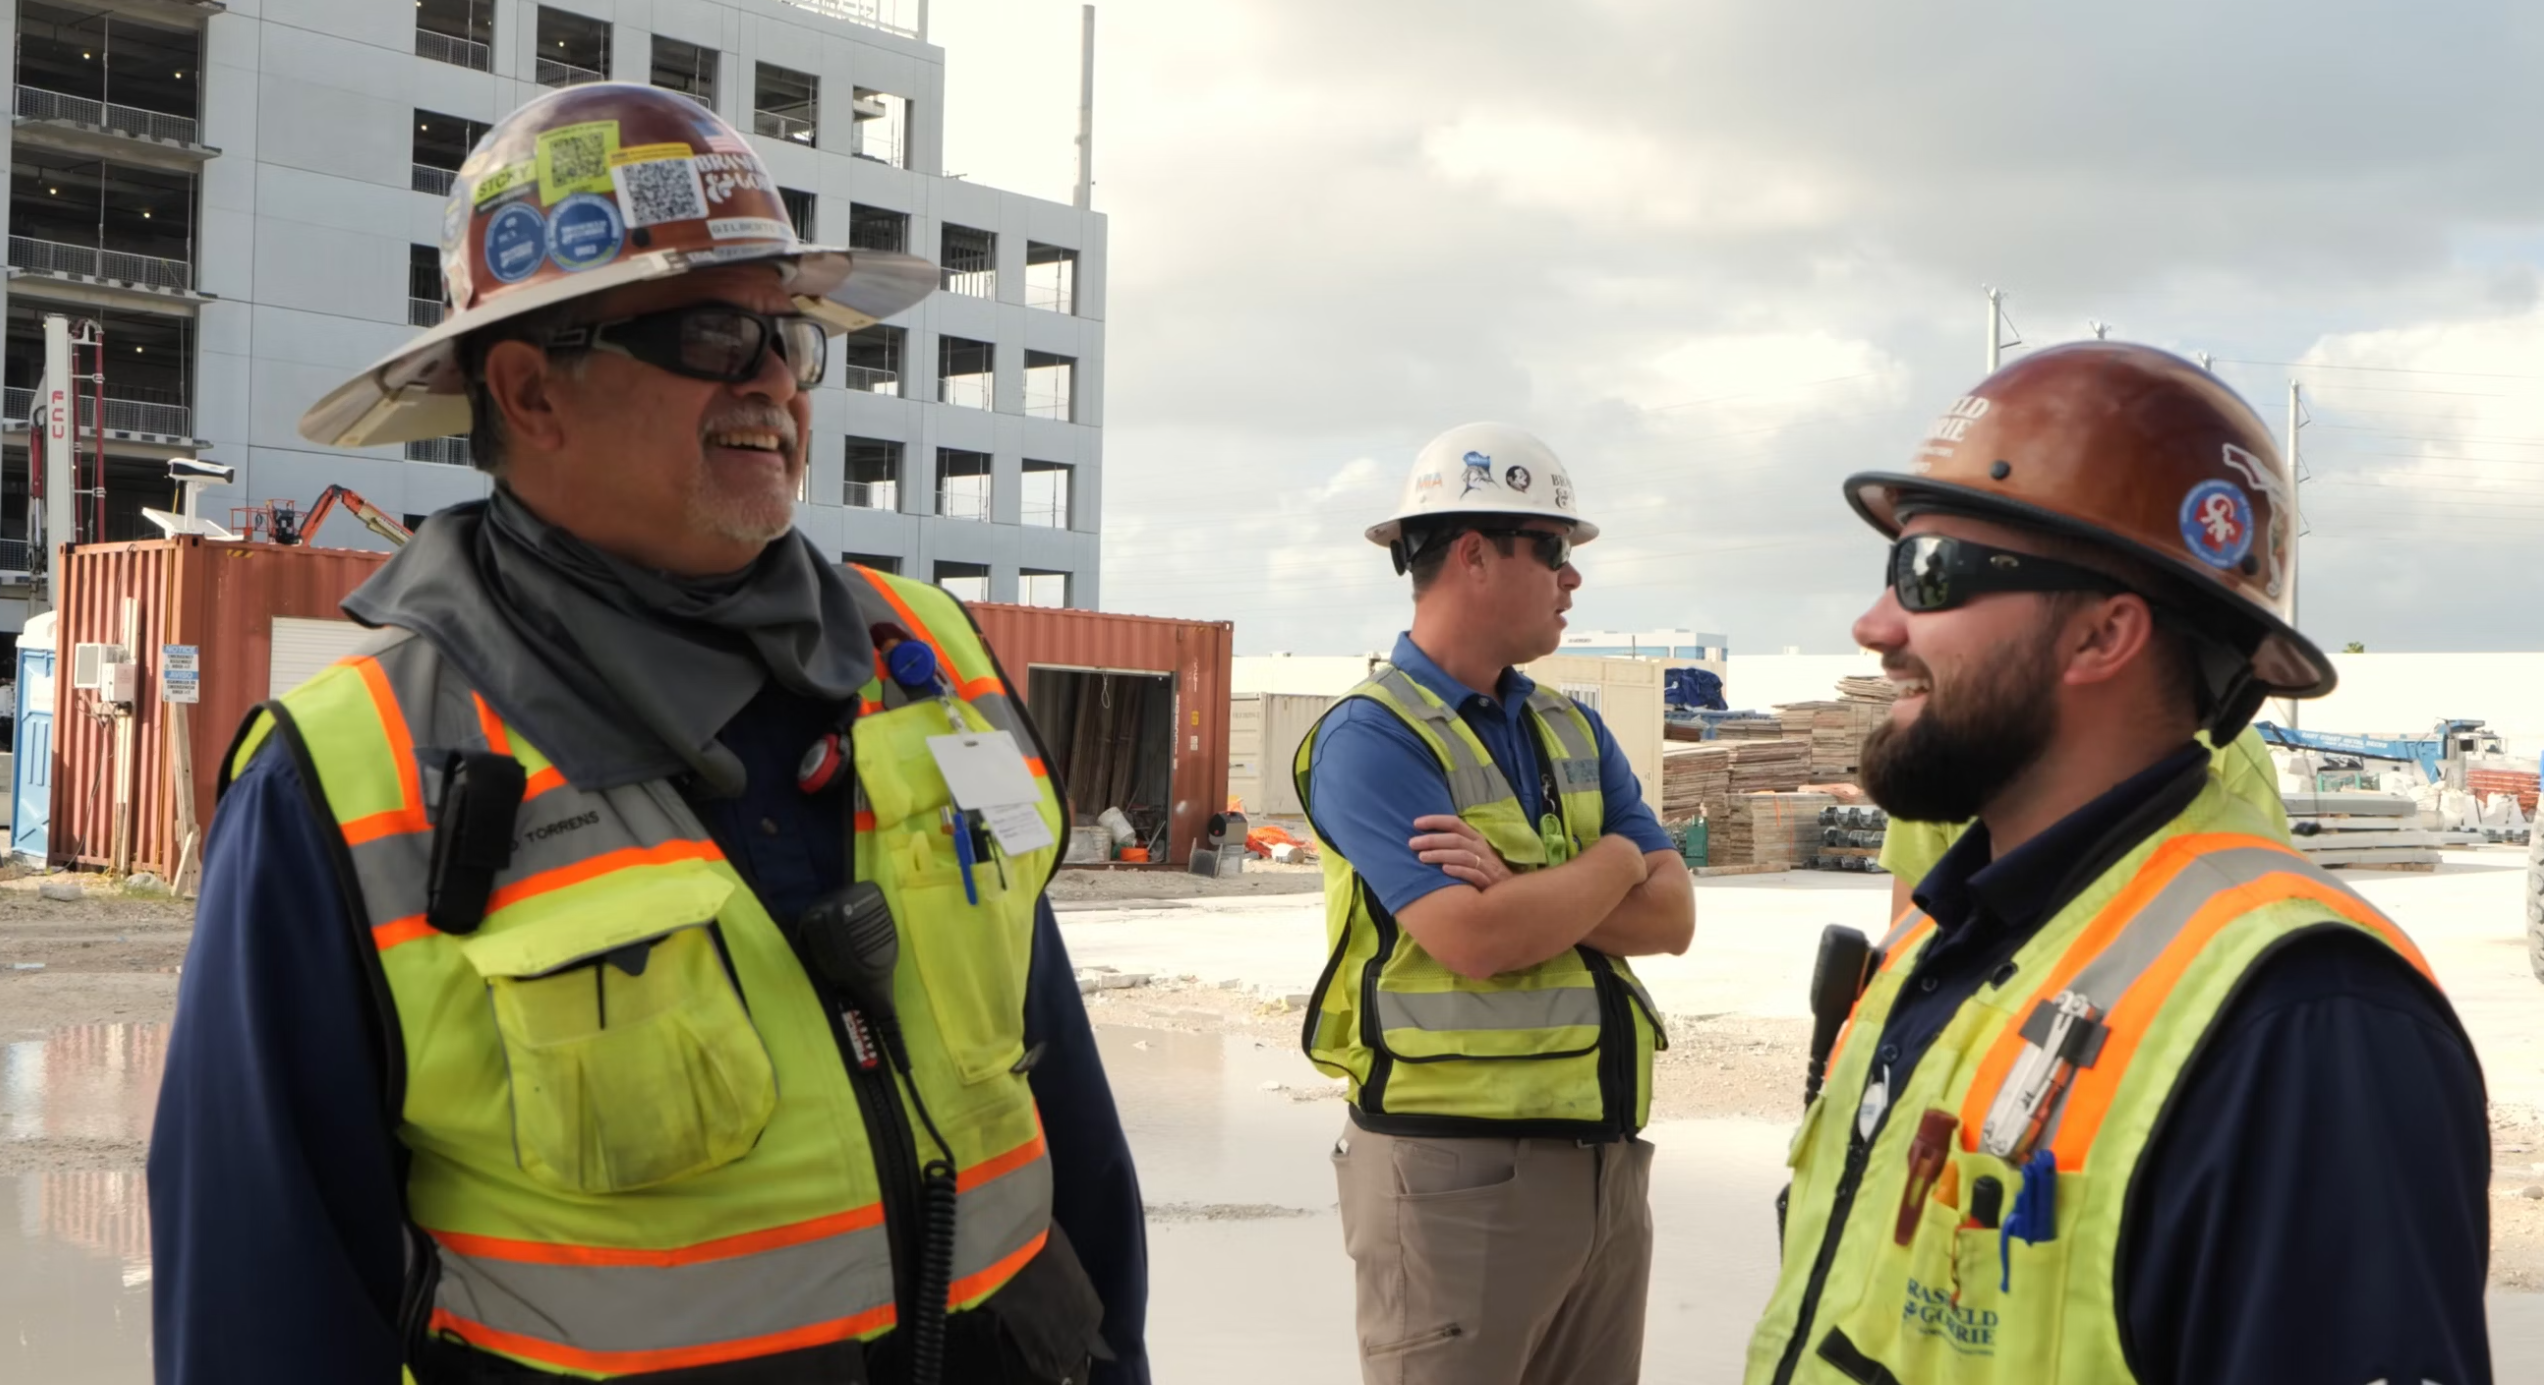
[[31, 776], [303, 647]]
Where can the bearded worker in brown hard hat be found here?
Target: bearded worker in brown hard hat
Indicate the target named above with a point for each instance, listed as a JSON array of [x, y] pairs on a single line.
[[2134, 1093], [632, 963]]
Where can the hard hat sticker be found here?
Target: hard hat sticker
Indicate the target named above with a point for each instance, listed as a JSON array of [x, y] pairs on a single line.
[[2217, 523], [575, 158], [2261, 477], [1563, 492], [516, 179], [655, 186], [1479, 472], [727, 174], [516, 238], [1517, 479], [584, 231], [748, 228], [718, 137]]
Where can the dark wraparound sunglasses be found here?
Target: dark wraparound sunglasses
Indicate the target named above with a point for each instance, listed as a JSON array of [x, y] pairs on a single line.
[[707, 341], [1554, 550], [1930, 572]]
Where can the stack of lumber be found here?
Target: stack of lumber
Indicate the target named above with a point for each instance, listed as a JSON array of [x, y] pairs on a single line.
[[1770, 766], [2371, 830], [1880, 691], [1751, 729], [1835, 732], [1693, 777], [1767, 830]]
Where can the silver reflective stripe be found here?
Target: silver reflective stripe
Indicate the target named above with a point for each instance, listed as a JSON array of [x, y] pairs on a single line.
[[1577, 755], [559, 828], [1449, 1011], [2110, 974], [606, 1308], [1899, 932], [1474, 780], [1000, 1217]]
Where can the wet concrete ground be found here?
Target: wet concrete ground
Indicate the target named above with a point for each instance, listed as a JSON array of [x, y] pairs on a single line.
[[1249, 1281]]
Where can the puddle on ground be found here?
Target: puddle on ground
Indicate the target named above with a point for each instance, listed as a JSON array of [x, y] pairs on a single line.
[[1249, 1285], [1248, 1280]]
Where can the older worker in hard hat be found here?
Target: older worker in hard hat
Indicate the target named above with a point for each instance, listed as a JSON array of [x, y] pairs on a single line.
[[1489, 867], [633, 962], [2136, 1093]]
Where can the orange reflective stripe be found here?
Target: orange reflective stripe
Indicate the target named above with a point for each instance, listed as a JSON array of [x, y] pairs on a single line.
[[722, 1248], [865, 821], [919, 631], [666, 1358], [974, 1285], [406, 930], [501, 743], [987, 685], [2089, 1098], [2168, 861], [997, 1164], [410, 817], [1906, 945], [593, 867], [1035, 767], [491, 725]]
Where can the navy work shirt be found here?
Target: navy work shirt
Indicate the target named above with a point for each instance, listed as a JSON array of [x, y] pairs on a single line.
[[275, 1182], [1371, 775], [2315, 1205]]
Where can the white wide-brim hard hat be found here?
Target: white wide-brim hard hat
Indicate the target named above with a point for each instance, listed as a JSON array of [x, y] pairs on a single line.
[[582, 191], [1477, 470]]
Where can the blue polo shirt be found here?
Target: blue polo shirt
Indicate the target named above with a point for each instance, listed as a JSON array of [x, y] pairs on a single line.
[[2314, 1206], [1371, 775]]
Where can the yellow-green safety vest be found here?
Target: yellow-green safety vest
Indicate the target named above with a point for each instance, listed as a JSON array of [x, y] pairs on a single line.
[[1563, 1048], [635, 1126], [2150, 953]]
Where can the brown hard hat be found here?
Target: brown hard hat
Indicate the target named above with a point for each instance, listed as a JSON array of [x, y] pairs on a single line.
[[2141, 453], [583, 190]]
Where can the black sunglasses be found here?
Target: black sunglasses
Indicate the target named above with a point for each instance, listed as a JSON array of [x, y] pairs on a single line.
[[707, 341], [1552, 549], [1931, 572]]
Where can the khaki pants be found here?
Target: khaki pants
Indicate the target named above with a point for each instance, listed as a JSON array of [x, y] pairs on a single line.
[[1496, 1261]]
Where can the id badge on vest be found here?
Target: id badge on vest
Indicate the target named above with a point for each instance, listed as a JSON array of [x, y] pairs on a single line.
[[985, 773]]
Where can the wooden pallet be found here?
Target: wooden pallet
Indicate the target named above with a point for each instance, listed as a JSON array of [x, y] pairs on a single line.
[[1773, 869]]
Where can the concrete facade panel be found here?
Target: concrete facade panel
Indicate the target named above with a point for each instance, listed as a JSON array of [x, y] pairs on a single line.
[[327, 128]]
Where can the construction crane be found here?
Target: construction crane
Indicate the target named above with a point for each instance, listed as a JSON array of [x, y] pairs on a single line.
[[285, 524], [2450, 742]]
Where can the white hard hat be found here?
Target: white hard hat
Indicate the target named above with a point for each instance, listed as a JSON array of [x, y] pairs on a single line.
[[1479, 469]]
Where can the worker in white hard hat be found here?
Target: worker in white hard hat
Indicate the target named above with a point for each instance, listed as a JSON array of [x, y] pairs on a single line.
[[632, 962], [1490, 864]]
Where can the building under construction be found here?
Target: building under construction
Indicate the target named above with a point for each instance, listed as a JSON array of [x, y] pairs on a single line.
[[211, 199]]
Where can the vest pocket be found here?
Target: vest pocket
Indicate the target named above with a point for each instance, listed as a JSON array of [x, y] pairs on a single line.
[[1948, 1306], [632, 1062], [972, 959]]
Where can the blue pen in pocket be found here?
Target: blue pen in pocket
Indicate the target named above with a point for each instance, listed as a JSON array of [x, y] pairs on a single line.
[[959, 825], [2035, 1214]]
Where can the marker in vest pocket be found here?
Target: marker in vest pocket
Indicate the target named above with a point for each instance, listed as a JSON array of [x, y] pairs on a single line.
[[1931, 1312]]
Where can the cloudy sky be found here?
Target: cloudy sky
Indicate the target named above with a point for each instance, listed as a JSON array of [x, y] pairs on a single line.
[[1721, 254]]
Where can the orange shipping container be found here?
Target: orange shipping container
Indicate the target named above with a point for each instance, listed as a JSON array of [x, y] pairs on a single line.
[[1067, 666], [225, 599]]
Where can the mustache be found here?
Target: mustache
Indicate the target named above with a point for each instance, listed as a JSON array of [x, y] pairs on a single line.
[[1908, 668], [767, 416]]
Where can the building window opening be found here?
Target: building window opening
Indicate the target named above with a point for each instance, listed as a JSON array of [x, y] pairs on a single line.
[[875, 228], [962, 484], [882, 128], [966, 372], [886, 563], [1050, 386], [1035, 587], [687, 68], [427, 296], [799, 211], [105, 70], [1046, 494], [1051, 277], [874, 475], [573, 49], [442, 143], [872, 359], [458, 32], [964, 581], [69, 215], [786, 104], [970, 261]]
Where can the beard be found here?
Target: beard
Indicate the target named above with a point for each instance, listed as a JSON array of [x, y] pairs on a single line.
[[757, 507], [1971, 740]]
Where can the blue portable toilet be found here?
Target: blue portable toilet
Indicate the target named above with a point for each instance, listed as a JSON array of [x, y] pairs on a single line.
[[31, 771]]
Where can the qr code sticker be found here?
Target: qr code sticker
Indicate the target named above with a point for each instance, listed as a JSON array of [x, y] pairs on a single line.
[[575, 158], [659, 190]]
